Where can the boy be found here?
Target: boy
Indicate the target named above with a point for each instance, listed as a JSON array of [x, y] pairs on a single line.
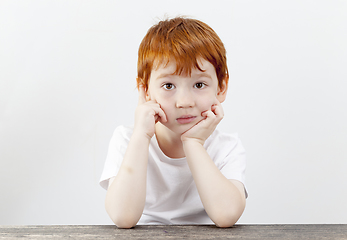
[[173, 167]]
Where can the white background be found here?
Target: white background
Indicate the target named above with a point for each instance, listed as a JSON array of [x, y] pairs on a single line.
[[67, 79]]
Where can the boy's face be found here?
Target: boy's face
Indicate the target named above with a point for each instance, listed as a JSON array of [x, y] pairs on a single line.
[[184, 98]]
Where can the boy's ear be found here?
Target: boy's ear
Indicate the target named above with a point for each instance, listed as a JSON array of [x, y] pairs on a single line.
[[222, 91], [147, 95]]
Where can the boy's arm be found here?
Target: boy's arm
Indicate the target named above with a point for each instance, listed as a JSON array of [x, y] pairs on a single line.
[[126, 194], [223, 199]]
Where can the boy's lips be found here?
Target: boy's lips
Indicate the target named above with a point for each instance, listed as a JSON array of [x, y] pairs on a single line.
[[185, 119]]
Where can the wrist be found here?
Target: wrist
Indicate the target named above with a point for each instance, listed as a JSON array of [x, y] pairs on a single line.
[[192, 141], [141, 136]]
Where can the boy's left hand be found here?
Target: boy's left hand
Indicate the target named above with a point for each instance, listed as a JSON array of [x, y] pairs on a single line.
[[203, 129]]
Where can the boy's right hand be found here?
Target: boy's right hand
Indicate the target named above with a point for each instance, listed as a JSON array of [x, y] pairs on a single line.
[[147, 114]]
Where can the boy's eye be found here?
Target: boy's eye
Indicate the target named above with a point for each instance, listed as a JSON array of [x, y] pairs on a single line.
[[200, 85], [168, 86]]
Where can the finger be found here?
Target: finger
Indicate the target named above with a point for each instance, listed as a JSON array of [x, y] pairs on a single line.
[[204, 114], [217, 109], [212, 118], [161, 114], [142, 94], [216, 103], [209, 115]]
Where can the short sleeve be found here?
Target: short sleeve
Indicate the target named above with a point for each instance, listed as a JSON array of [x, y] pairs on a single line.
[[229, 155], [115, 154]]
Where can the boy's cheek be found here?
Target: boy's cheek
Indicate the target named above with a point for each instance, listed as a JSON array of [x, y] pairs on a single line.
[[160, 101], [215, 100], [209, 105]]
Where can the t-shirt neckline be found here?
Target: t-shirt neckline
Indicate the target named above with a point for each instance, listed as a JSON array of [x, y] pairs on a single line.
[[167, 158]]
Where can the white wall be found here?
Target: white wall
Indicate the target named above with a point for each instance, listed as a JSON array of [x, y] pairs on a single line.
[[67, 79]]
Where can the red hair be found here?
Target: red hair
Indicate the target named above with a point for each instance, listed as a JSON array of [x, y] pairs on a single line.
[[184, 40]]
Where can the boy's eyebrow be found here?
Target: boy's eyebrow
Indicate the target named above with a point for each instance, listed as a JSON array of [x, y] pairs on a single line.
[[164, 75], [201, 74]]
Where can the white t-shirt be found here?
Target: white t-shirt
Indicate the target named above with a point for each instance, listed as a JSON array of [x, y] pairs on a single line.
[[172, 197]]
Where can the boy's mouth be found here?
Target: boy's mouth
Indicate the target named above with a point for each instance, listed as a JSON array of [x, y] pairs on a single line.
[[185, 119]]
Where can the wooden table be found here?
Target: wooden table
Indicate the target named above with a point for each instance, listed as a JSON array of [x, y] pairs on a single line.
[[290, 231]]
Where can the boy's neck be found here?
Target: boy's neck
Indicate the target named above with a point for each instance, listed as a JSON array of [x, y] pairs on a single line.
[[169, 142]]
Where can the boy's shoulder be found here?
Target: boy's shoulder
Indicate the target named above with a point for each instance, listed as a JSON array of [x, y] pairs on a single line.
[[222, 140], [123, 131], [218, 135]]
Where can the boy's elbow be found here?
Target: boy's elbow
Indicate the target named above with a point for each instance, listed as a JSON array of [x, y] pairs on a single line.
[[225, 222], [227, 219], [121, 219], [123, 223]]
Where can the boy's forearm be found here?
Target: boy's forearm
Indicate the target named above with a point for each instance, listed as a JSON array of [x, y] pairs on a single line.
[[125, 199], [222, 200]]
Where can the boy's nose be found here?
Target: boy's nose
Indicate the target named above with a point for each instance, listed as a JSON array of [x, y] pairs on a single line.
[[185, 100]]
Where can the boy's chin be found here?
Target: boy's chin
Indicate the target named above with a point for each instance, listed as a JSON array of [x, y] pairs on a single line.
[[183, 129], [178, 130]]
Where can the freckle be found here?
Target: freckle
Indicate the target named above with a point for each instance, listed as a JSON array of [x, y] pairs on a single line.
[[128, 169]]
